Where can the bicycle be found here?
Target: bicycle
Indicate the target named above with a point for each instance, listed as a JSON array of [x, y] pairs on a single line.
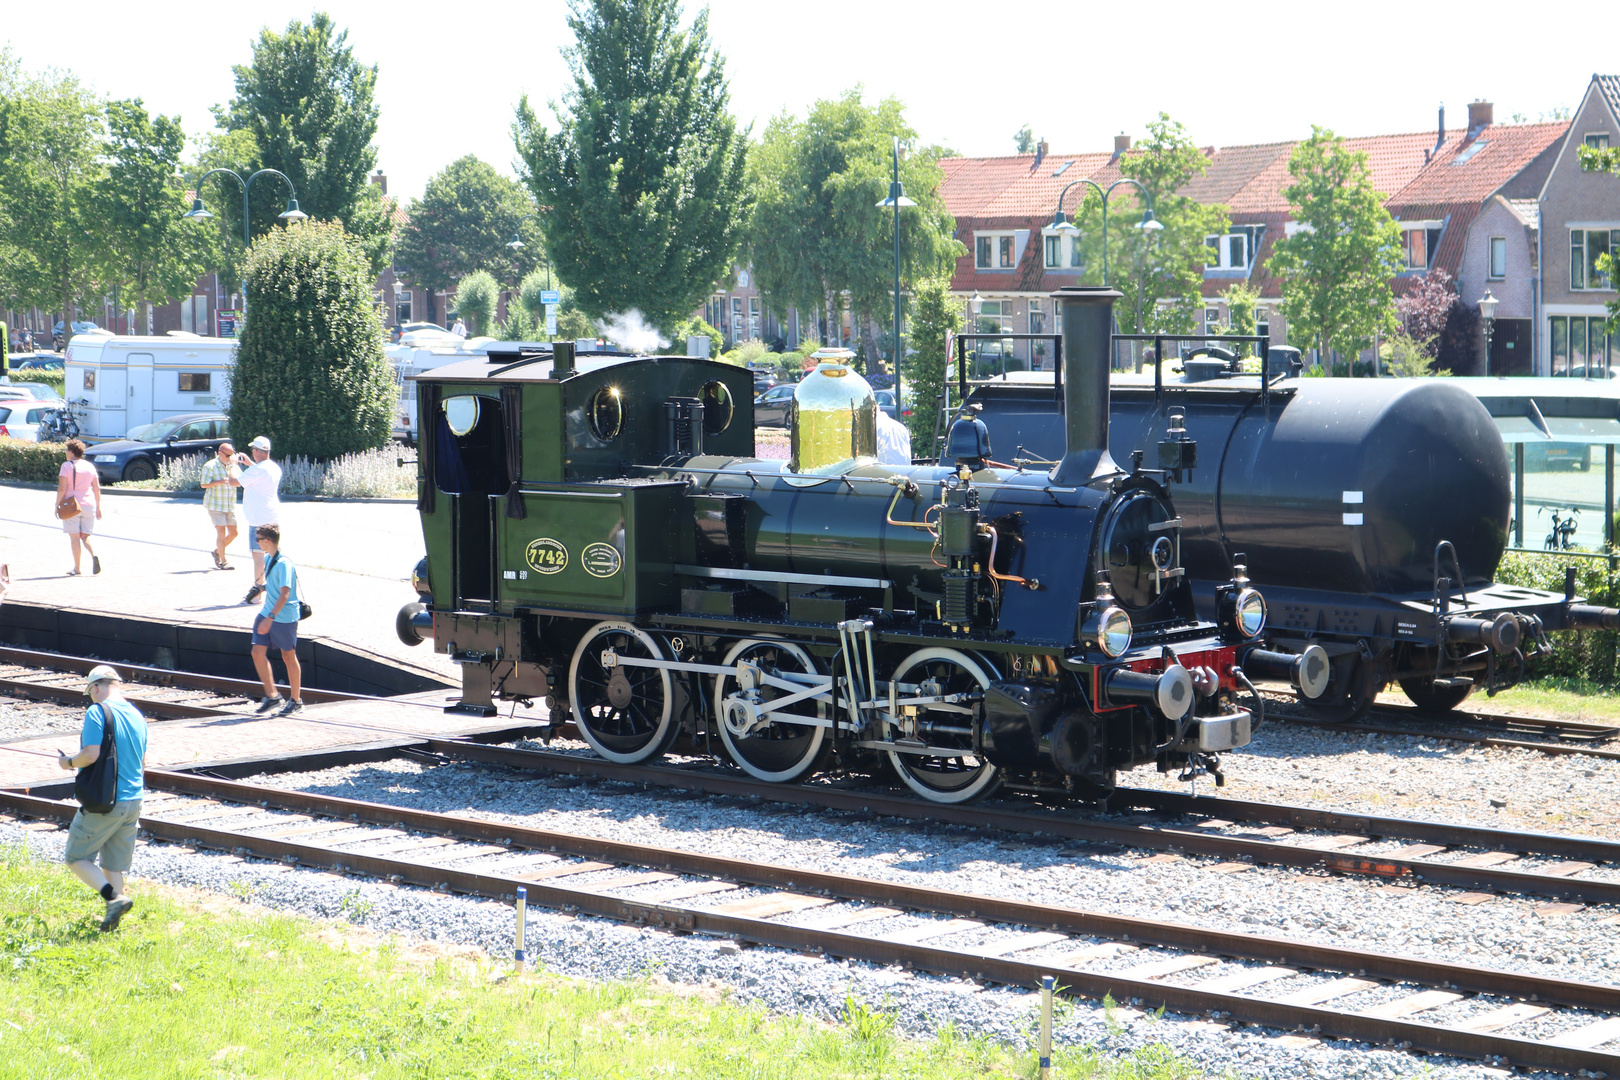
[[1562, 536], [61, 423]]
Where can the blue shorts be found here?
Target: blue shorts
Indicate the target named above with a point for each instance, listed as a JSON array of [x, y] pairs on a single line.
[[282, 635]]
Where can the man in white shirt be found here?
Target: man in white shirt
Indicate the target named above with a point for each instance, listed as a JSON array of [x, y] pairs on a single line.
[[460, 329], [893, 441], [260, 481]]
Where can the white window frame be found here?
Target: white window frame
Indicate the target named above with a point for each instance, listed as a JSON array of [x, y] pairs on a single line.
[[1598, 140], [1587, 270], [1491, 247], [1221, 244], [1069, 249], [995, 239]]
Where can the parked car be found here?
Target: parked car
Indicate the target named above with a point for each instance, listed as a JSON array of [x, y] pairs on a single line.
[[41, 391], [20, 419], [137, 455], [78, 327], [1542, 456], [771, 407], [885, 400], [36, 361]]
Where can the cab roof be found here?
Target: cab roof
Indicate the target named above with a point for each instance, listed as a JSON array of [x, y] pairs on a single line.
[[536, 366]]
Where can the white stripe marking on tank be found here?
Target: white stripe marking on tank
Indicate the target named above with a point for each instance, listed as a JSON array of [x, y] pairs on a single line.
[[1352, 519], [1352, 496]]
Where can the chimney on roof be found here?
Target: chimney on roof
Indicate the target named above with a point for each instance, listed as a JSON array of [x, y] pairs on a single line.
[[381, 181], [1122, 143], [1440, 139], [1040, 153], [1479, 117]]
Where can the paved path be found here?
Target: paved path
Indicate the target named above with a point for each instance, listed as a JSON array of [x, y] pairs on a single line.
[[354, 559]]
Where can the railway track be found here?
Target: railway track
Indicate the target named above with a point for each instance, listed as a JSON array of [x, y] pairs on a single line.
[[1523, 1020], [1503, 731]]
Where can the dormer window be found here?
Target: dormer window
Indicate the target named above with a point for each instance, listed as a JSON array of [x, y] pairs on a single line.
[[995, 251], [1063, 250], [1419, 239], [1235, 249]]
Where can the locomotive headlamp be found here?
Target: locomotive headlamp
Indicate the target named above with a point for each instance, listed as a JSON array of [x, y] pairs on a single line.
[[1110, 630], [1250, 613], [419, 578]]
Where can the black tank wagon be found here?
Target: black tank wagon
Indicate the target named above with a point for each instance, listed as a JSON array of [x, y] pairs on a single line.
[[1374, 513], [600, 534]]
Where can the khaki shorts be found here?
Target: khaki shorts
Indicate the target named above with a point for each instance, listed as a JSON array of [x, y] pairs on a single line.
[[111, 835], [84, 524], [224, 519]]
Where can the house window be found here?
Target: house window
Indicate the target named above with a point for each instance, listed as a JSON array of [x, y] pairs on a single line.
[[1054, 252], [1598, 141], [1233, 250], [1586, 247], [194, 382], [753, 318], [1498, 267], [739, 329], [1037, 318], [994, 251], [402, 306], [1417, 247], [1578, 342], [717, 311], [1075, 259], [1004, 259], [983, 251]]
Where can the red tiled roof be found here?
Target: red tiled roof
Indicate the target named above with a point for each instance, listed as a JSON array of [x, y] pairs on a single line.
[[1471, 170], [1041, 187], [1610, 87]]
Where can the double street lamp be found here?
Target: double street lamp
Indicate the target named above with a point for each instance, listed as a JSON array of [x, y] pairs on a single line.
[[292, 213], [897, 199], [1062, 224]]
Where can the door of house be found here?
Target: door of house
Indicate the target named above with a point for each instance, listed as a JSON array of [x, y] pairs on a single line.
[[1510, 347]]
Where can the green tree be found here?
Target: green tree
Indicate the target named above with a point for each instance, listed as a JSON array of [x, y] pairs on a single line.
[[310, 370], [519, 325], [935, 313], [152, 253], [818, 235], [1240, 319], [534, 283], [51, 141], [1337, 268], [307, 105], [644, 180], [478, 296], [1159, 271], [1024, 140], [464, 222]]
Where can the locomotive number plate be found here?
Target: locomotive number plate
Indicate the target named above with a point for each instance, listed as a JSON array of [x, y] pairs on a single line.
[[546, 556], [601, 560]]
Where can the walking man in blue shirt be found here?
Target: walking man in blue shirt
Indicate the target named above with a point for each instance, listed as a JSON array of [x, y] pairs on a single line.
[[277, 625], [110, 835]]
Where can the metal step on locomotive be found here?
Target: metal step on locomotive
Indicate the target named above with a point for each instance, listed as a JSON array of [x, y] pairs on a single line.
[[1375, 512], [600, 534]]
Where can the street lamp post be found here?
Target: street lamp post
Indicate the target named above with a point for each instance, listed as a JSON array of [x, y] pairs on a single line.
[[897, 199], [1487, 311], [517, 244], [292, 213], [1062, 224]]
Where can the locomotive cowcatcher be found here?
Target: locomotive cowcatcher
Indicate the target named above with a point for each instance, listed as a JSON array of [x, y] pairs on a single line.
[[600, 535]]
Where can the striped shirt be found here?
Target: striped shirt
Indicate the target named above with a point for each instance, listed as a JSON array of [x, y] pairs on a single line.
[[223, 498]]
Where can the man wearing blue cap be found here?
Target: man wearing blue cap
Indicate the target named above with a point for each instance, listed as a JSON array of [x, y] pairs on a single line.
[[110, 835]]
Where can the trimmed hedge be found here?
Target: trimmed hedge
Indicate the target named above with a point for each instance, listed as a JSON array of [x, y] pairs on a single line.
[[31, 461], [1589, 654]]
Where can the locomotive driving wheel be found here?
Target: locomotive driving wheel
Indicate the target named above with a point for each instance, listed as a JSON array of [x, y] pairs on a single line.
[[771, 746], [624, 712], [960, 774]]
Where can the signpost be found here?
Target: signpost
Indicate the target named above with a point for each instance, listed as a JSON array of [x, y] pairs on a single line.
[[228, 322], [551, 298]]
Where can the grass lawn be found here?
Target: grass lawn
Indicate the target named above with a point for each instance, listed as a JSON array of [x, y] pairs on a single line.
[[199, 986], [1565, 699]]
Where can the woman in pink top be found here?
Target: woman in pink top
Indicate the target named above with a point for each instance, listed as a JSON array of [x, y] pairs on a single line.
[[78, 481]]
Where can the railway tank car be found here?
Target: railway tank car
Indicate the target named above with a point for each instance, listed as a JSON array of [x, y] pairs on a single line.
[[1374, 511], [600, 534]]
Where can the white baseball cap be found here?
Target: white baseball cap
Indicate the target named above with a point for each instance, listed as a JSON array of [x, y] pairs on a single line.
[[101, 673], [261, 442]]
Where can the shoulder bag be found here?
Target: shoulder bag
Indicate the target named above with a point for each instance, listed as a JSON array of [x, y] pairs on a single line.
[[304, 610], [67, 509], [96, 787]]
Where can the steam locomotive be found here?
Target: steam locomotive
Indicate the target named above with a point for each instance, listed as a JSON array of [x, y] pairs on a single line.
[[1375, 510], [600, 535]]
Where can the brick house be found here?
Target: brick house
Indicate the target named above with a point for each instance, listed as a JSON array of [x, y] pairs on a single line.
[[1580, 219]]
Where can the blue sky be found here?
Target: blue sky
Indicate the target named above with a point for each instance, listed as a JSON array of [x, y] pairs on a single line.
[[970, 74]]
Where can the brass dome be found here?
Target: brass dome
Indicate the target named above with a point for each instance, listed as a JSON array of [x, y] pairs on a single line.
[[834, 425]]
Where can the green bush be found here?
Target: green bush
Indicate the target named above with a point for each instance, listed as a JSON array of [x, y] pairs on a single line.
[[695, 327], [31, 461], [56, 380], [745, 353], [477, 297], [1589, 654], [310, 370]]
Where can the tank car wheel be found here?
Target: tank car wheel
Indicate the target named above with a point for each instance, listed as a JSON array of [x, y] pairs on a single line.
[[947, 725], [625, 713], [1425, 695], [780, 752]]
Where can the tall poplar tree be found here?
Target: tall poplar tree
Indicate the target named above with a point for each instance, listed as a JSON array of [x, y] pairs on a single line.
[[1338, 265], [643, 181], [308, 106]]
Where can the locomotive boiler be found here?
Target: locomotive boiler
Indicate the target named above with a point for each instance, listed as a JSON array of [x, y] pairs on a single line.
[[1374, 512], [600, 534]]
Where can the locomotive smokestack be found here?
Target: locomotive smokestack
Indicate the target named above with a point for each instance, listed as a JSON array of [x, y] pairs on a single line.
[[1088, 328]]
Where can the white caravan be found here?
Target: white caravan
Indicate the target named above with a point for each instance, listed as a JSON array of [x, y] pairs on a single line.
[[130, 381], [425, 350]]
